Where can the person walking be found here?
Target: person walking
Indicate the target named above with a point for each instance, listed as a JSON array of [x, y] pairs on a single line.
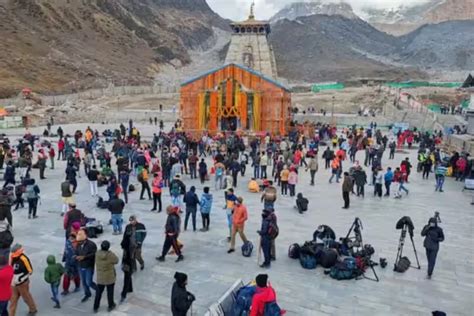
[[292, 180], [105, 261], [360, 180], [22, 270], [71, 266], [206, 206], [92, 176], [67, 197], [440, 175], [335, 172], [85, 255], [219, 170], [192, 160], [32, 192], [143, 179], [378, 182], [328, 155], [116, 206], [433, 236], [192, 201], [181, 299], [265, 238], [346, 190], [313, 167], [285, 173], [71, 173], [134, 235], [6, 277], [202, 171], [388, 178], [172, 229], [128, 262], [156, 188], [263, 165], [9, 175], [52, 276], [239, 217]]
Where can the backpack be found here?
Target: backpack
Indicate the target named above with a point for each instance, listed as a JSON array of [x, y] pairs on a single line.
[[31, 191], [219, 172], [273, 229], [344, 270], [402, 265], [247, 249], [328, 258], [308, 261], [175, 189], [294, 251], [271, 309], [131, 188], [243, 300]]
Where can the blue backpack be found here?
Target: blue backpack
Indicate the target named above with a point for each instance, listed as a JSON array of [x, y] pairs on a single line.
[[247, 249], [308, 261], [345, 270], [271, 309], [243, 300]]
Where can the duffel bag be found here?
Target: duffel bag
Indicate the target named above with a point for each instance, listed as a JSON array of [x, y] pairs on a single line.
[[402, 265], [328, 258], [247, 249]]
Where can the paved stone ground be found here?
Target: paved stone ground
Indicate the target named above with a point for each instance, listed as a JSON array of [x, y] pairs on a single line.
[[302, 292]]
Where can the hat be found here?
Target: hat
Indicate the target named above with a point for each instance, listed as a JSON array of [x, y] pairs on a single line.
[[132, 218], [16, 247], [181, 278], [261, 280]]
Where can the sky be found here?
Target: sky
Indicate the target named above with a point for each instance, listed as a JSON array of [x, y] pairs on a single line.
[[264, 9]]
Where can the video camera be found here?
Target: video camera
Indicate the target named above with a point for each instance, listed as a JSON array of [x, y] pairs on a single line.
[[406, 221]]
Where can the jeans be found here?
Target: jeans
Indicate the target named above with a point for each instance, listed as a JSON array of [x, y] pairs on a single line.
[[110, 295], [387, 187], [4, 308], [292, 189], [431, 257], [218, 182], [284, 187], [93, 186], [192, 171], [55, 291], [402, 187], [360, 190], [32, 206], [87, 275], [266, 249], [176, 200], [205, 220], [313, 173], [439, 183], [268, 205], [256, 171], [156, 201], [190, 211], [117, 222], [263, 171]]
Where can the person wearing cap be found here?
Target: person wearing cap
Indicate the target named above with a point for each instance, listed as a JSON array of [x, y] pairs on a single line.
[[134, 236], [6, 277], [172, 232], [192, 201], [181, 299], [22, 270], [239, 217], [433, 236], [85, 255], [264, 295], [105, 261]]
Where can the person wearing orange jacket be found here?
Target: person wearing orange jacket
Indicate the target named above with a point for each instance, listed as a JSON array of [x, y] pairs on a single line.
[[239, 218], [156, 186], [335, 166]]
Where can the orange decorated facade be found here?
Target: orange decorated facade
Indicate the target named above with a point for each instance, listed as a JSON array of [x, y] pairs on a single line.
[[234, 98]]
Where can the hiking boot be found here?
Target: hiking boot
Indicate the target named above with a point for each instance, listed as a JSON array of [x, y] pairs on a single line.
[[180, 258], [160, 258], [85, 299], [57, 306], [230, 250], [111, 308]]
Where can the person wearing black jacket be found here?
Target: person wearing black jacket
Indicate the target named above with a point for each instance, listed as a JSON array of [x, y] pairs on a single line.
[[328, 155], [433, 236], [265, 239], [92, 176], [192, 201], [85, 256], [181, 299], [71, 173], [116, 206], [172, 233], [301, 203], [9, 175]]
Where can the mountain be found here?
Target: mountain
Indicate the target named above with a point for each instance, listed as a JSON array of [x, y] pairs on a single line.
[[59, 45], [327, 48], [300, 9], [404, 19]]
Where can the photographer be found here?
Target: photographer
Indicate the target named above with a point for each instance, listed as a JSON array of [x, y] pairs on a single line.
[[433, 236], [181, 299]]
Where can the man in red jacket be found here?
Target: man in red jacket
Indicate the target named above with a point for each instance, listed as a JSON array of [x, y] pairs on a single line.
[[264, 295]]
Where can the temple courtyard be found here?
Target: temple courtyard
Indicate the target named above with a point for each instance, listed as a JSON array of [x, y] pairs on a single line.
[[212, 271]]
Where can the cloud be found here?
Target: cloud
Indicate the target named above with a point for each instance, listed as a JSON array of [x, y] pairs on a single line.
[[264, 9]]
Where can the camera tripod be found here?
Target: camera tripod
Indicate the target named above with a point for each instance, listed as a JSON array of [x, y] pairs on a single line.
[[401, 243], [357, 245]]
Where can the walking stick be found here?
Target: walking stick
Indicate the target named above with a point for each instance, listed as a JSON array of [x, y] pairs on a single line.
[[259, 250]]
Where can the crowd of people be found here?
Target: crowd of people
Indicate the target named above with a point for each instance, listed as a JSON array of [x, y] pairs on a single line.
[[162, 165]]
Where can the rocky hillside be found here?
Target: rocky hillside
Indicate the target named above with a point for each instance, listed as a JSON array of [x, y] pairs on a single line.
[[60, 45], [300, 9], [325, 48]]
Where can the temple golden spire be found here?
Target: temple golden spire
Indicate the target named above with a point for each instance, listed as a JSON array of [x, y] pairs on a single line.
[[252, 15]]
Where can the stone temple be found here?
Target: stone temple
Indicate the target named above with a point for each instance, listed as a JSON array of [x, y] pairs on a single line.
[[249, 46]]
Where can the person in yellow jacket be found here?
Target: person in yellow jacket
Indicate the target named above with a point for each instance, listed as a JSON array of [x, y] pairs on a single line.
[[253, 186]]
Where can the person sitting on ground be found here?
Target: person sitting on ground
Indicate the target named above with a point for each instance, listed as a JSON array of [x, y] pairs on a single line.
[[253, 186], [264, 298], [301, 203]]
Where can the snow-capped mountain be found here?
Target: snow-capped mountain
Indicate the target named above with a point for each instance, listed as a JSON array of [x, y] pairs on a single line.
[[300, 9]]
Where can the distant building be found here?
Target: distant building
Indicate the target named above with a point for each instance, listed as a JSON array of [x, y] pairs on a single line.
[[249, 46]]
